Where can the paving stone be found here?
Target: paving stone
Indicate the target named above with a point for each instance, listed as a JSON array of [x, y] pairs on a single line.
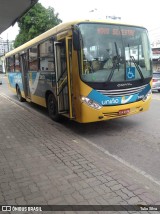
[[146, 199], [111, 183], [33, 195], [20, 201], [128, 192], [5, 186], [88, 174], [57, 201], [70, 199], [99, 190], [134, 200], [115, 200], [78, 197], [105, 188], [90, 195], [154, 212], [80, 185], [36, 201], [101, 200], [133, 187], [139, 191], [102, 179], [123, 195], [117, 187], [86, 191]]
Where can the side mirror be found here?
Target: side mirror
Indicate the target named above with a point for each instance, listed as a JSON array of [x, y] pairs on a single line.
[[76, 38], [52, 39]]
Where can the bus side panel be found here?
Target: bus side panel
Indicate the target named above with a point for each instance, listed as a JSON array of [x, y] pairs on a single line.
[[39, 84], [14, 79]]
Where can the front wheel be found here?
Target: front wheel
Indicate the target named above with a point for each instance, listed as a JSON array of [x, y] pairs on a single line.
[[53, 108], [19, 96]]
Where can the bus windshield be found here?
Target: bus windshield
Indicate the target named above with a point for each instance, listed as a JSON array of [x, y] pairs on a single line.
[[114, 53]]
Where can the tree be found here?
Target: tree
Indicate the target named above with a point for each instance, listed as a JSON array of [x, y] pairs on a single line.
[[35, 22]]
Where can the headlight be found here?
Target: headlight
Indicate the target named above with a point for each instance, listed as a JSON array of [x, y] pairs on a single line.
[[90, 103], [147, 95]]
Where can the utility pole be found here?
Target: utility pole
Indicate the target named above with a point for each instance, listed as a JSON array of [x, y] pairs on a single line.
[[7, 43]]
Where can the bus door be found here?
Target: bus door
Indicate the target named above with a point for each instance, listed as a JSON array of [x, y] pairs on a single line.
[[63, 53], [25, 78]]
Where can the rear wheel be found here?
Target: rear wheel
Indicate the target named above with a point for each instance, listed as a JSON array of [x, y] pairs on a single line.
[[19, 96], [52, 108]]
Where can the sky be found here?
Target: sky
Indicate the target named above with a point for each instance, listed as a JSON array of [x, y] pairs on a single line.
[[145, 13]]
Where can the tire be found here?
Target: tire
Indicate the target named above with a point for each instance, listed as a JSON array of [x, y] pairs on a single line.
[[53, 108], [158, 90], [19, 96]]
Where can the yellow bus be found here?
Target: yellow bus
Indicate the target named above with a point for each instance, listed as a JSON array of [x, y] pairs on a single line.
[[85, 70]]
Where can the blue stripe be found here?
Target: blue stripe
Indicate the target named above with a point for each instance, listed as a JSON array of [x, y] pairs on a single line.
[[109, 101]]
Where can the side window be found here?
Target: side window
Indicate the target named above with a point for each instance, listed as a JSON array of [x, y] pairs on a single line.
[[33, 59], [46, 54], [63, 58], [10, 64], [17, 63]]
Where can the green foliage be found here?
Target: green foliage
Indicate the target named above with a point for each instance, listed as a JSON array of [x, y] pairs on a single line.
[[35, 22]]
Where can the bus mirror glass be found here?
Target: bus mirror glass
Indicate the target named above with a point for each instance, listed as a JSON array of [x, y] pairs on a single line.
[[76, 38]]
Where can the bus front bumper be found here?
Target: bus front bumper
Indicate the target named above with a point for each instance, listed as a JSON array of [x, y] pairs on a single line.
[[89, 114]]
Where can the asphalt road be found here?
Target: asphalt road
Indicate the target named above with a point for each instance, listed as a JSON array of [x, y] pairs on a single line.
[[133, 141]]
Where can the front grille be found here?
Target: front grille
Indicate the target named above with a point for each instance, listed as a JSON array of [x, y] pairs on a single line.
[[122, 92]]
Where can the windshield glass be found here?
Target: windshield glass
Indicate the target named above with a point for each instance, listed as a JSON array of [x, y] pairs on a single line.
[[112, 53]]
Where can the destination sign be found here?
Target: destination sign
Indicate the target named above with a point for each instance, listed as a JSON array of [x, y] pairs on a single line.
[[115, 31]]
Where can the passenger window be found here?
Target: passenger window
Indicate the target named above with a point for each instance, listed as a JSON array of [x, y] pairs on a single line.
[[33, 59], [10, 64], [17, 63], [46, 53]]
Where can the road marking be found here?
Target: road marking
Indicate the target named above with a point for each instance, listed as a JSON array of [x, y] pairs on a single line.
[[141, 172]]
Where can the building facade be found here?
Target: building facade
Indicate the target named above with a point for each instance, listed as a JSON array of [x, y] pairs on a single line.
[[156, 55], [4, 47]]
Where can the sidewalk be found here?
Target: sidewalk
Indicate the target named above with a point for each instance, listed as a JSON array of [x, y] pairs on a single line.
[[41, 164]]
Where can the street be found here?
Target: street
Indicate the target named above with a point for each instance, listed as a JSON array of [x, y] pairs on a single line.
[[132, 143]]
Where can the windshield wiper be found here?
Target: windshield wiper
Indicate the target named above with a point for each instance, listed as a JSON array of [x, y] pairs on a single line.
[[117, 55], [112, 71], [137, 66], [117, 61]]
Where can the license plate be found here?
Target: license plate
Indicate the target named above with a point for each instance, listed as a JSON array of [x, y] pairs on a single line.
[[124, 111]]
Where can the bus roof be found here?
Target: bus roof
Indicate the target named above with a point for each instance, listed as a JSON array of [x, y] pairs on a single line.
[[59, 28]]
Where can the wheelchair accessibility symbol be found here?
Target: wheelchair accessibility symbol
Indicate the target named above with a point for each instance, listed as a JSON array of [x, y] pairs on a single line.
[[130, 73]]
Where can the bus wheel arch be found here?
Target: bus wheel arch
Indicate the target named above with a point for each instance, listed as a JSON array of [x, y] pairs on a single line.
[[19, 95], [52, 106]]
